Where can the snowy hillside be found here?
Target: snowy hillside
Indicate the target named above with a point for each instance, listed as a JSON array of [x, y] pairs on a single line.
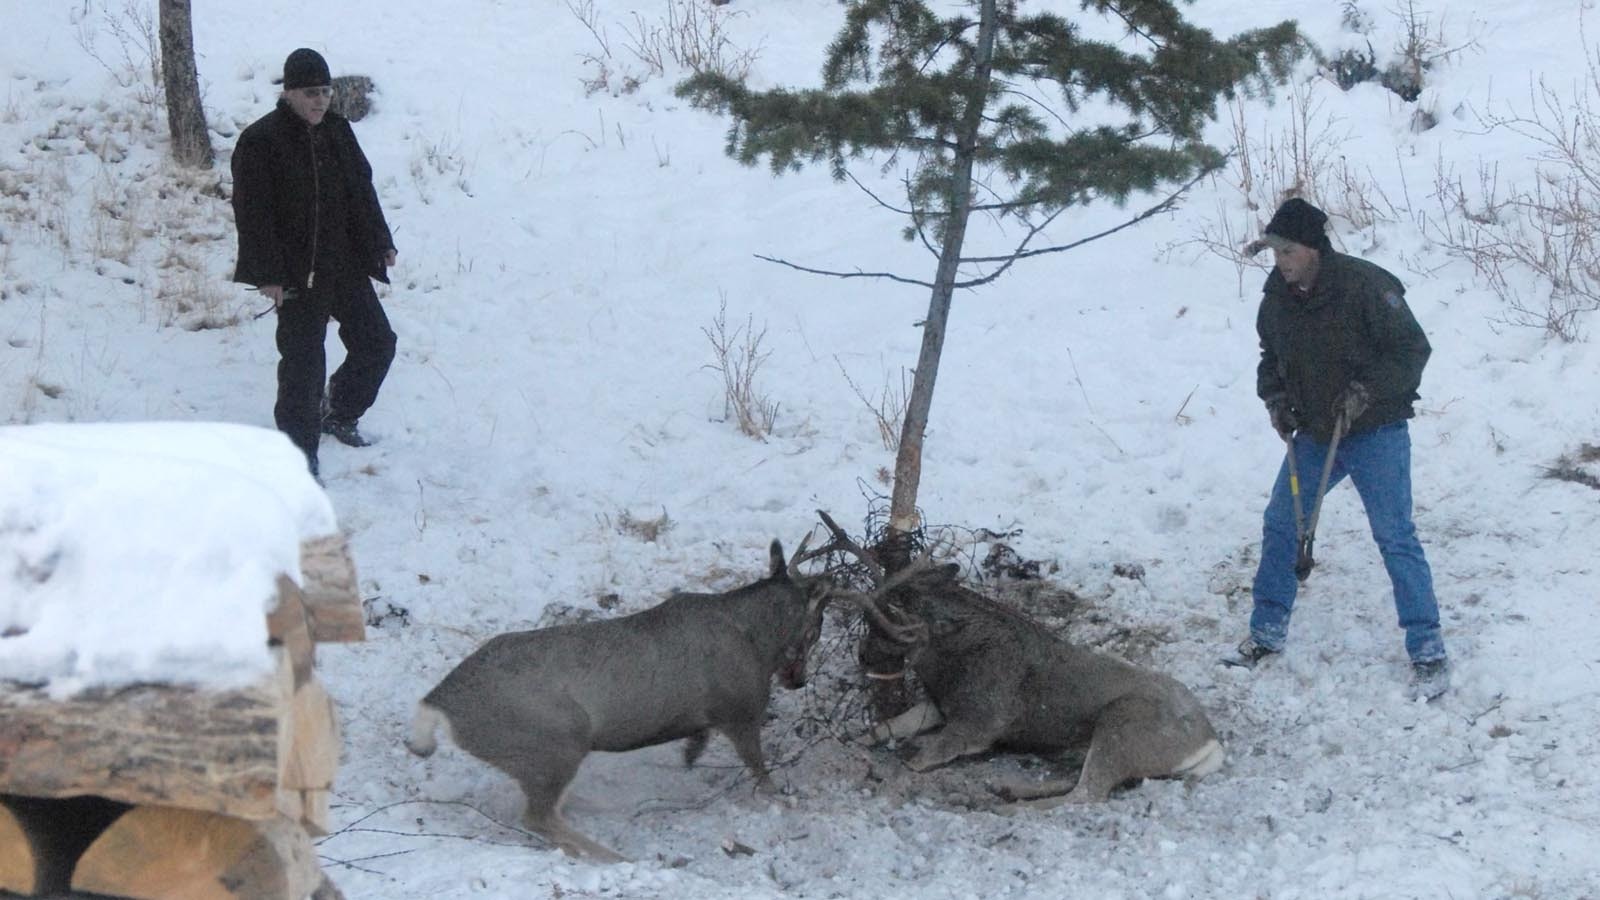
[[552, 443]]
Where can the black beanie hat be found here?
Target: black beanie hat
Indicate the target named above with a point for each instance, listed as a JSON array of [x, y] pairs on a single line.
[[1300, 222], [305, 68]]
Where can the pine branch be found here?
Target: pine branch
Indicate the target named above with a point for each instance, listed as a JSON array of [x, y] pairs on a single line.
[[1010, 259], [879, 200], [1022, 253]]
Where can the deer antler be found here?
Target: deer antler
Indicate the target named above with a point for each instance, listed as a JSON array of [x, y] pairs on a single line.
[[800, 556], [842, 542], [913, 631]]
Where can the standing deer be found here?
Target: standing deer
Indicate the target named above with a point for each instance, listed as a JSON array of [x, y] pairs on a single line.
[[534, 703], [996, 678]]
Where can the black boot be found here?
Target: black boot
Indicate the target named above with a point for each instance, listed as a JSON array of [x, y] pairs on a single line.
[[344, 431]]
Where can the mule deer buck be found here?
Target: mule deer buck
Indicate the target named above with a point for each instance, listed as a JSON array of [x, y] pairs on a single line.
[[996, 678], [534, 703]]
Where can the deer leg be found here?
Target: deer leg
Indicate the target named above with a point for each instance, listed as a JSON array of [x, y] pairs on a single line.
[[1092, 785], [544, 778], [554, 829], [1142, 737], [914, 721], [541, 747], [958, 739], [746, 738], [1034, 790]]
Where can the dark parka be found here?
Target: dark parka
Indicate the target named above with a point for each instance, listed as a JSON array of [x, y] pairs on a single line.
[[275, 201], [1354, 326]]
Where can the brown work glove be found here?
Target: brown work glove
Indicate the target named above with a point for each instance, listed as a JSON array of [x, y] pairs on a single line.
[[1284, 421], [1355, 400]]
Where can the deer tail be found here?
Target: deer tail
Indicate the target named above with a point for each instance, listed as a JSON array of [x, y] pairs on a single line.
[[421, 741]]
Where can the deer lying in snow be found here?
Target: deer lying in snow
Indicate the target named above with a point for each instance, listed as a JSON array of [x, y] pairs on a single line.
[[534, 703], [996, 678]]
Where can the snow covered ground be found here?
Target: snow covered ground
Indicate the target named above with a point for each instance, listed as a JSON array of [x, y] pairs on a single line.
[[562, 253]]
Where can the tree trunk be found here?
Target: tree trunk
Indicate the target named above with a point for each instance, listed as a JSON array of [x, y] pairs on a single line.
[[186, 118], [908, 461], [890, 697]]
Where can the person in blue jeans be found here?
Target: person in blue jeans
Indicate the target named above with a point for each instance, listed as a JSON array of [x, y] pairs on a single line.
[[1340, 349]]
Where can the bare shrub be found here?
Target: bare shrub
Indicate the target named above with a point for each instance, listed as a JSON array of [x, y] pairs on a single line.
[[1577, 467], [647, 530], [1422, 45], [1550, 231], [689, 35], [738, 358], [1305, 158], [136, 62], [194, 301], [1353, 18], [352, 96], [889, 410], [1352, 66], [115, 216], [434, 158]]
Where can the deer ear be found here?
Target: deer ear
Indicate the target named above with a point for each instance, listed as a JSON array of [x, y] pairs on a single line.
[[779, 564]]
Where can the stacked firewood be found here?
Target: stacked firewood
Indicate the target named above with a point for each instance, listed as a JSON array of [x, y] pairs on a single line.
[[166, 791]]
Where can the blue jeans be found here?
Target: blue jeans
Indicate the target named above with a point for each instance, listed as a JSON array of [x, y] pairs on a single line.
[[1378, 463]]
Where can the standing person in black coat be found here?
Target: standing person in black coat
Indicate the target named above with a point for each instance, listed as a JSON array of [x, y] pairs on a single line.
[[1340, 352], [311, 235]]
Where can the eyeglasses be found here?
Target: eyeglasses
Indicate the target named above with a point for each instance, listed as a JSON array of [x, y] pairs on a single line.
[[311, 93]]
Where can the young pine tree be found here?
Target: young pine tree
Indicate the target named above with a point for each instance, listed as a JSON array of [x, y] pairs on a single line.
[[1012, 95]]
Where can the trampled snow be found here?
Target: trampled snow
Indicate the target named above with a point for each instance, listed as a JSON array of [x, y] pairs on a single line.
[[553, 444]]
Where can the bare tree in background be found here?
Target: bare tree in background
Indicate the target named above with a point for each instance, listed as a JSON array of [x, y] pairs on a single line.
[[186, 118]]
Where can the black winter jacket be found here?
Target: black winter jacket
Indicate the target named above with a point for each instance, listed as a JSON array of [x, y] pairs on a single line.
[[275, 205], [1354, 326]]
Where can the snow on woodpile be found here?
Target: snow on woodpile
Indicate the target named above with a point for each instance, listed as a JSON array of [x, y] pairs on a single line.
[[147, 551]]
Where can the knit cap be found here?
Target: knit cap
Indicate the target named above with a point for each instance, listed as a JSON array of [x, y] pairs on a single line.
[[305, 68], [1298, 222]]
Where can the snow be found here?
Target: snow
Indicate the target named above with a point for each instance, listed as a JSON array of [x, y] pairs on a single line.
[[145, 552], [562, 253]]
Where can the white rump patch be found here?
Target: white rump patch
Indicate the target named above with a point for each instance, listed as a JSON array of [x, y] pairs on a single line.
[[1202, 762]]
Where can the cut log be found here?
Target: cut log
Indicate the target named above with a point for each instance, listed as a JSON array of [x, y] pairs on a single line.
[[314, 817], [161, 745], [309, 752], [288, 627], [309, 808], [160, 853], [328, 586], [40, 840], [312, 758], [18, 865]]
